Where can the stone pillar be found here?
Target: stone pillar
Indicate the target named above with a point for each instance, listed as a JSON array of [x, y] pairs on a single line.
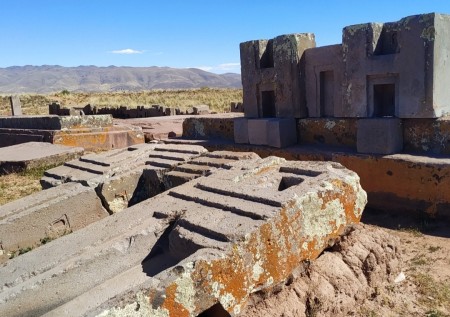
[[16, 106]]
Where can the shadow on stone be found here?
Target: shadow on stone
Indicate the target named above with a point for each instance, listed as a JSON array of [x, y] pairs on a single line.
[[215, 311]]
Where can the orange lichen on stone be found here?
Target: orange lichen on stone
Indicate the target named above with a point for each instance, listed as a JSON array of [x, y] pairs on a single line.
[[175, 309]]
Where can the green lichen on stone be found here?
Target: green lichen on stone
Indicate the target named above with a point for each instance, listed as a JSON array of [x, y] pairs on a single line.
[[428, 33]]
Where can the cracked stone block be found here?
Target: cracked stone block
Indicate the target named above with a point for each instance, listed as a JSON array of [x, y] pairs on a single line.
[[212, 241], [124, 177], [48, 214]]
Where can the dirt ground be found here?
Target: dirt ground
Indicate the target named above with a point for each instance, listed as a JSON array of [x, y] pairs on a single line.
[[419, 284], [425, 247]]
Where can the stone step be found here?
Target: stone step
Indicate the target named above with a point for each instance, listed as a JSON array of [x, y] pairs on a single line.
[[182, 157], [214, 162], [184, 242], [165, 163], [236, 205], [177, 178], [88, 167], [247, 193], [232, 155], [218, 224], [181, 148], [69, 174], [193, 169]]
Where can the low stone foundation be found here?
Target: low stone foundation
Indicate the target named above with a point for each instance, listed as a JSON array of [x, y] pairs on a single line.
[[93, 133]]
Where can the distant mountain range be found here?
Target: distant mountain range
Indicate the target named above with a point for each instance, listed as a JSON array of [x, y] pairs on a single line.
[[49, 78]]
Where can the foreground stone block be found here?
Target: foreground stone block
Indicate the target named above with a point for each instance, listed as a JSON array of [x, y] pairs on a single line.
[[46, 215], [356, 267], [214, 240], [20, 157], [379, 136]]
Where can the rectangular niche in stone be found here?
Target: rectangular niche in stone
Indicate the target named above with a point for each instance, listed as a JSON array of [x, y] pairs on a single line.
[[327, 93], [382, 96], [268, 104]]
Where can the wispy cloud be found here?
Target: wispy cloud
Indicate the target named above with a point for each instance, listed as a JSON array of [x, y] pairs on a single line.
[[221, 68], [229, 66], [127, 51]]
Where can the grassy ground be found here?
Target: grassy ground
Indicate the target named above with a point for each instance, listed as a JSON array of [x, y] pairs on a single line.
[[17, 185], [218, 99]]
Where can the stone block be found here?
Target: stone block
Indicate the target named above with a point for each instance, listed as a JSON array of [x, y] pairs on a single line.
[[210, 127], [328, 131], [241, 130], [201, 109], [237, 230], [258, 131], [282, 132], [52, 122], [379, 136], [16, 106], [24, 156], [123, 177], [236, 107], [46, 215]]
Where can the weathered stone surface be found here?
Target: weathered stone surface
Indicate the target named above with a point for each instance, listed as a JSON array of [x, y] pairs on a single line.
[[204, 165], [47, 214], [216, 239], [424, 181], [427, 136], [339, 281], [240, 130], [35, 154], [96, 139], [377, 54], [92, 132], [327, 131], [258, 131], [324, 75], [379, 136], [51, 122], [281, 132], [212, 126], [125, 176], [16, 105], [273, 83]]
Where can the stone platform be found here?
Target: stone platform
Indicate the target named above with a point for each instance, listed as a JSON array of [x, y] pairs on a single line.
[[407, 182], [212, 241], [93, 133], [29, 155]]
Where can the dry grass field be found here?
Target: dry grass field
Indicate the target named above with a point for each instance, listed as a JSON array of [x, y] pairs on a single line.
[[218, 99]]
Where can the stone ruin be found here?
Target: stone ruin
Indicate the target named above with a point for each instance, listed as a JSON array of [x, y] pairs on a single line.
[[123, 112], [91, 132], [175, 230], [383, 74], [196, 231]]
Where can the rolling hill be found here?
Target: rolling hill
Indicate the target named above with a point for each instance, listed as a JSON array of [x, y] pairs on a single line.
[[50, 78]]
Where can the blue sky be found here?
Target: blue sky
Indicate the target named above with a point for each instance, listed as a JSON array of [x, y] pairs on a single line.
[[175, 33]]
